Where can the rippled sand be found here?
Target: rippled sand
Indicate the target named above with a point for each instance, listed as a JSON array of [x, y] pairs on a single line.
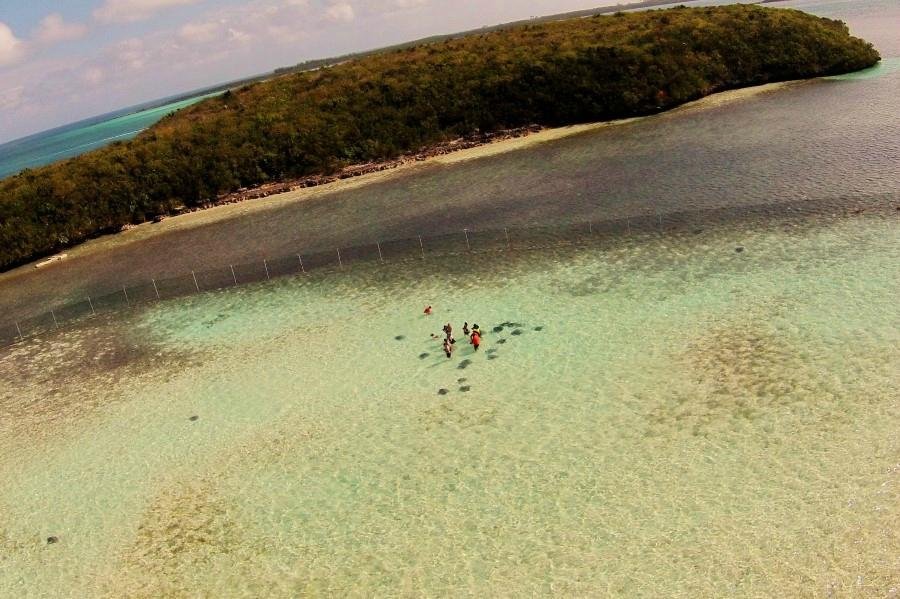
[[660, 416]]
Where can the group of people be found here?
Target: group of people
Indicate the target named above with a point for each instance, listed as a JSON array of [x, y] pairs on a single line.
[[474, 335]]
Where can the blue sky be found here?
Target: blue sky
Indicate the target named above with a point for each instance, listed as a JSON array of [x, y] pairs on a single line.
[[64, 60]]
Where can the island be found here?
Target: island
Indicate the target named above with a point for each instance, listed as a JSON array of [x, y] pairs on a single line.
[[373, 109]]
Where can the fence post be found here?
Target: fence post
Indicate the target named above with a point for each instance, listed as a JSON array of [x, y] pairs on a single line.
[[506, 232], [340, 264], [468, 247], [19, 330], [155, 288], [303, 270], [233, 276], [266, 264], [125, 291], [422, 247], [380, 257], [196, 284], [91, 304], [56, 324]]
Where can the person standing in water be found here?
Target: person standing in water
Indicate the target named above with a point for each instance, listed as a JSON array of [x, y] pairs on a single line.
[[476, 339], [466, 329], [448, 348]]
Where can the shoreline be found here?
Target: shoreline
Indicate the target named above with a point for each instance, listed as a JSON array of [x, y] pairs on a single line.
[[229, 206]]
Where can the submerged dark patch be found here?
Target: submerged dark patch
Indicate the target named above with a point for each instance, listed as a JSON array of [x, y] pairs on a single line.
[[423, 355], [465, 388], [464, 364], [517, 332], [400, 337], [443, 391]]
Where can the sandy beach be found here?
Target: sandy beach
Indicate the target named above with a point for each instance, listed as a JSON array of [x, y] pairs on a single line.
[[224, 212]]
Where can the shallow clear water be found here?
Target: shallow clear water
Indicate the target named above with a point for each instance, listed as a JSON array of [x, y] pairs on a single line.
[[690, 420]]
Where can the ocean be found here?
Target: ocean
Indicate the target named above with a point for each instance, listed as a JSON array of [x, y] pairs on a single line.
[[90, 134]]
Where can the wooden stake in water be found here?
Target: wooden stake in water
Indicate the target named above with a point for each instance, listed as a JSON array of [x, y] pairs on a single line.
[[303, 270], [19, 330], [125, 291], [233, 276], [155, 288], [91, 304], [380, 257], [340, 264], [422, 247], [506, 232], [196, 284], [266, 265], [56, 324], [468, 247]]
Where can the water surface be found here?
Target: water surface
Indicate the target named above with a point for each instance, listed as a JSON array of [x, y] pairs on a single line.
[[72, 140], [658, 416]]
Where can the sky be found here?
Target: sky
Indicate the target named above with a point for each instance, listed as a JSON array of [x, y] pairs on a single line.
[[65, 60]]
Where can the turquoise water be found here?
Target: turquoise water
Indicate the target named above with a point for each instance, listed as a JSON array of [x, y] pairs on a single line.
[[66, 142], [662, 416]]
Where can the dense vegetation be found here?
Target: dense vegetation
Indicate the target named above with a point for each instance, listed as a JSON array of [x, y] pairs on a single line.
[[376, 107]]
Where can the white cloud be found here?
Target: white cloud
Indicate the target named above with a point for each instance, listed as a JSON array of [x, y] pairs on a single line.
[[198, 33], [340, 12], [130, 55], [125, 11], [54, 29], [93, 76], [11, 47], [12, 98]]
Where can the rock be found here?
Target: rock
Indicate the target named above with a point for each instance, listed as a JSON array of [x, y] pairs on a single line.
[[194, 418], [424, 355], [493, 356], [462, 380], [443, 391], [52, 540], [517, 332], [498, 329], [465, 389], [739, 249], [464, 364], [539, 329], [400, 337], [501, 341]]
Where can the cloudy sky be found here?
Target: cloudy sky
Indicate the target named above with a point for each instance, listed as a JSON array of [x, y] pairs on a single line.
[[64, 60]]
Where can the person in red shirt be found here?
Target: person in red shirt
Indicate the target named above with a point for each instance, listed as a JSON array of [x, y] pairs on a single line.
[[428, 310], [476, 339]]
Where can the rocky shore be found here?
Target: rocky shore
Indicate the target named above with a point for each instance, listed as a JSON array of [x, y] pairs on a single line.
[[357, 170]]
